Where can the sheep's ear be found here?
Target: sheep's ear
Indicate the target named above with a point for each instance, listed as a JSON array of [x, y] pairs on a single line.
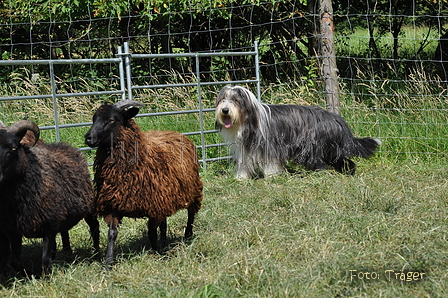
[[20, 128], [131, 112], [21, 134]]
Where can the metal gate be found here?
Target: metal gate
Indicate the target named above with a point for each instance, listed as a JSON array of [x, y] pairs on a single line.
[[127, 88]]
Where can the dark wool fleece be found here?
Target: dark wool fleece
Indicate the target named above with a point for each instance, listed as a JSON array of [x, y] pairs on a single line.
[[52, 189]]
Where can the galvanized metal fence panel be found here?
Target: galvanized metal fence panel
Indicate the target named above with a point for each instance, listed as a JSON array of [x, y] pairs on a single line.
[[55, 95], [127, 89], [128, 57]]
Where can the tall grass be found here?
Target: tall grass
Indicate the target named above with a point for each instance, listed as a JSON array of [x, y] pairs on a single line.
[[408, 116]]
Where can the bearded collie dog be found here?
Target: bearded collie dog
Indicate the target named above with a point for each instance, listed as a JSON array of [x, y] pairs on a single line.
[[263, 138]]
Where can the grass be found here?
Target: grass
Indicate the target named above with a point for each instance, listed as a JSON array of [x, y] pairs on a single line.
[[294, 235], [355, 42]]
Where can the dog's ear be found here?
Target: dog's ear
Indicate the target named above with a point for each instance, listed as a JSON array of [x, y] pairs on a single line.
[[241, 92], [222, 94], [219, 97]]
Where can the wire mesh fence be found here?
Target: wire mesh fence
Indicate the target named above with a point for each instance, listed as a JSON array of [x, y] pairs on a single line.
[[185, 114], [391, 59]]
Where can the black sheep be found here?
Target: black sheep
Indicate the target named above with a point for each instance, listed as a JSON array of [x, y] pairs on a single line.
[[44, 190]]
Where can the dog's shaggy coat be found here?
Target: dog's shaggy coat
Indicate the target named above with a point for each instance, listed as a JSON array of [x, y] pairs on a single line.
[[264, 137], [142, 174]]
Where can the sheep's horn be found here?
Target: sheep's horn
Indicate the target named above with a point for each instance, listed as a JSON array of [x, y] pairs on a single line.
[[24, 125], [123, 104]]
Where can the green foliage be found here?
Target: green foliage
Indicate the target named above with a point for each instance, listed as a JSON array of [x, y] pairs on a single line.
[[311, 75], [51, 10], [5, 55], [93, 29], [199, 25]]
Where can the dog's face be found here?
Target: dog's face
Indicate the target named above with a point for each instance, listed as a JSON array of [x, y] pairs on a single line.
[[228, 109]]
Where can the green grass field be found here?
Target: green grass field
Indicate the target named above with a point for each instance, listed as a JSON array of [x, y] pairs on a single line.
[[295, 235], [355, 42]]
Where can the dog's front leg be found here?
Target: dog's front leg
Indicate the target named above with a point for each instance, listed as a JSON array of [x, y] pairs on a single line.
[[273, 167], [241, 171]]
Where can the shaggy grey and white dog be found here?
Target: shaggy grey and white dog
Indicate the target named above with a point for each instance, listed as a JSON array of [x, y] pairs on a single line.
[[264, 137]]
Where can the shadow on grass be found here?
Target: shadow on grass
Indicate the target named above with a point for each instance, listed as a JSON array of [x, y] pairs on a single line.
[[125, 249], [129, 248], [31, 260]]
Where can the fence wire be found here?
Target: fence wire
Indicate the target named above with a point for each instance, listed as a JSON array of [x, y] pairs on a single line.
[[391, 57]]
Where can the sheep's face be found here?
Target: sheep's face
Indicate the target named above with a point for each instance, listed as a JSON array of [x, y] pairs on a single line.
[[9, 155], [106, 122]]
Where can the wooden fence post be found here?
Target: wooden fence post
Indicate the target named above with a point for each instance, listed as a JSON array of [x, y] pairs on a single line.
[[328, 57]]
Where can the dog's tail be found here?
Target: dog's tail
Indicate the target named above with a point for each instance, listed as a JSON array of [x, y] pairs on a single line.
[[365, 147]]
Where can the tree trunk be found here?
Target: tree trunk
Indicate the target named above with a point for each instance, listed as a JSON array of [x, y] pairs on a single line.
[[328, 57]]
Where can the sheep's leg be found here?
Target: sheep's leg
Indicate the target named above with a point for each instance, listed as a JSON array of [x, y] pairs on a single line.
[[163, 228], [49, 245], [111, 237], [189, 228], [193, 208], [53, 247], [94, 226], [152, 232], [65, 242], [16, 248], [4, 253]]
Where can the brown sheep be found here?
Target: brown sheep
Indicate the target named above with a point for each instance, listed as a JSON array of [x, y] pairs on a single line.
[[141, 174]]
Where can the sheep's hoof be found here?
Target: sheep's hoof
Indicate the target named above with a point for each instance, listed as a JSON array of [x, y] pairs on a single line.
[[188, 234], [67, 250], [107, 267], [108, 263], [162, 251]]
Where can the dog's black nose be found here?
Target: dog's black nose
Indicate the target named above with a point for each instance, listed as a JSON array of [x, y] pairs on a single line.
[[225, 111]]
